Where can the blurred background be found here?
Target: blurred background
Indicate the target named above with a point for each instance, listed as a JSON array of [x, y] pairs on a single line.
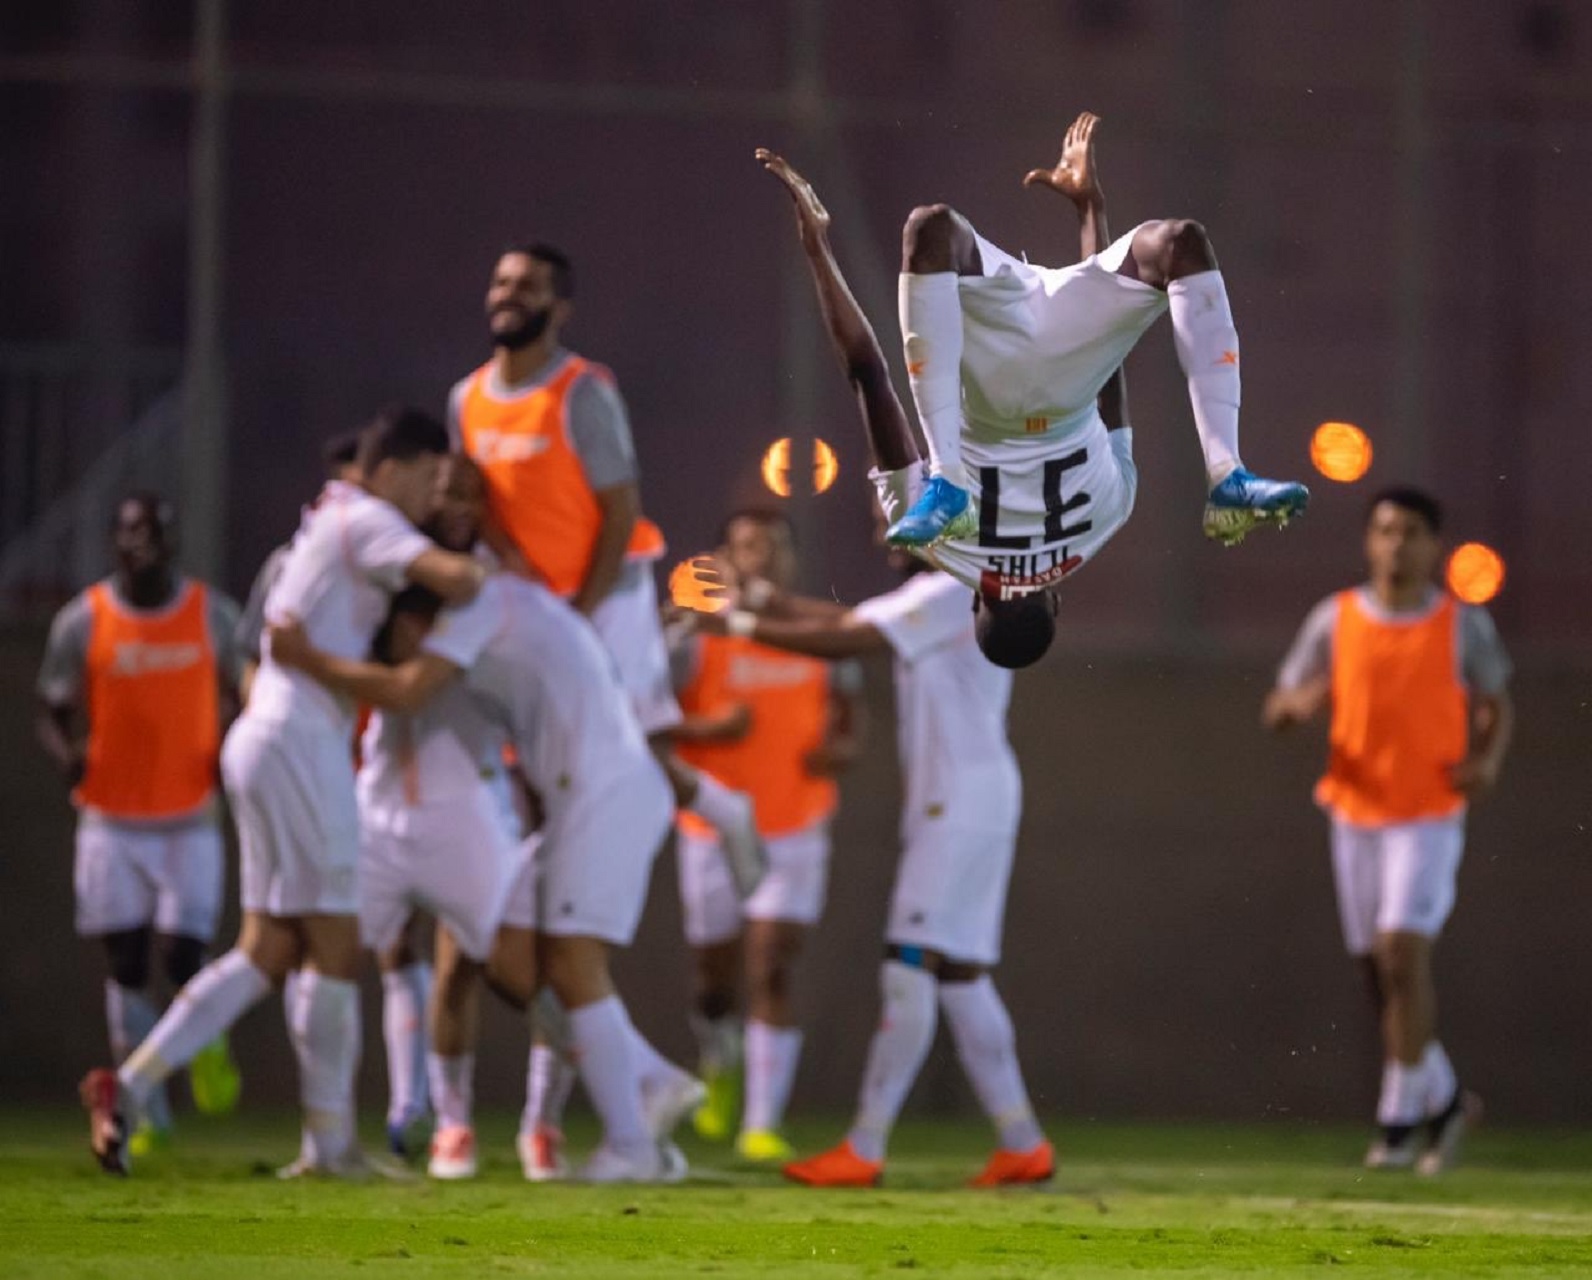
[[231, 228]]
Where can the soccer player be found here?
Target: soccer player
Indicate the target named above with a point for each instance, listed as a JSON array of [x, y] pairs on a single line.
[[1006, 362], [778, 726], [540, 671], [1420, 722], [549, 430], [289, 776], [139, 675], [405, 975]]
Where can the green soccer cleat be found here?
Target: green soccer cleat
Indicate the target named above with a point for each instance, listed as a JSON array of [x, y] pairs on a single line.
[[214, 1079], [717, 1119], [763, 1146]]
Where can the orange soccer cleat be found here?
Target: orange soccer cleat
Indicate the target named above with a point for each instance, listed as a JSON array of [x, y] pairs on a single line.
[[1014, 1168], [838, 1167]]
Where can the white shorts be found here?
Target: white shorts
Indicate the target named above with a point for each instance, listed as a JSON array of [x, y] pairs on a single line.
[[1395, 879], [627, 621], [129, 876], [1040, 342], [292, 797], [793, 890], [950, 891], [1106, 478], [595, 859], [456, 860], [519, 908]]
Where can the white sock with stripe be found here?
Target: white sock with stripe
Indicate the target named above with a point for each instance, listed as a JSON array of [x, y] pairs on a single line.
[[771, 1057], [895, 1055], [405, 993], [1207, 348], [930, 308]]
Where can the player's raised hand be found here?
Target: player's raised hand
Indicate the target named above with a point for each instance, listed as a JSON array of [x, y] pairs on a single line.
[[1074, 175], [811, 216]]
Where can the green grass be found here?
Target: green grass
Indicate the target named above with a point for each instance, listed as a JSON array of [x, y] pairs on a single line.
[[1190, 1200]]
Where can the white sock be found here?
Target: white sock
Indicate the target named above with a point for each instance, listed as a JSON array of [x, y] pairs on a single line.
[[652, 1068], [131, 1015], [719, 1043], [1441, 1081], [404, 995], [549, 1080], [771, 1056], [906, 1030], [452, 1088], [719, 805], [602, 1036], [324, 1024], [216, 997], [1403, 1097], [931, 329], [1207, 348], [987, 1046]]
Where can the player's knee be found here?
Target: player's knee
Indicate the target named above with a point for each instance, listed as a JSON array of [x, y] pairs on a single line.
[[936, 238], [1398, 961], [127, 956], [185, 956], [1015, 633]]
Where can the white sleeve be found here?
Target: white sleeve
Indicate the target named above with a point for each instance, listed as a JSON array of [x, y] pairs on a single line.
[[462, 632], [927, 612], [381, 543], [1311, 653]]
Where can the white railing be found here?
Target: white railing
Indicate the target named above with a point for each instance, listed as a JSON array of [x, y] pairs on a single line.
[[77, 429]]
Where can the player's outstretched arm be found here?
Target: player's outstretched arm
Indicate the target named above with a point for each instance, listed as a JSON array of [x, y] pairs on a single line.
[[406, 687], [889, 435], [454, 577], [1077, 176], [818, 637]]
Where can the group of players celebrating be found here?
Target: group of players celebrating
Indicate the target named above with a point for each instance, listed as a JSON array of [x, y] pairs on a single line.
[[485, 589]]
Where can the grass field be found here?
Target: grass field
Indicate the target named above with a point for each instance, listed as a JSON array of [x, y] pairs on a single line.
[[1141, 1199]]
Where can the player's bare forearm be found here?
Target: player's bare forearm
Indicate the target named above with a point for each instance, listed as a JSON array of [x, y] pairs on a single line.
[[455, 578], [405, 688], [850, 334], [784, 604], [55, 726], [1286, 707], [845, 736], [817, 637], [729, 725], [1492, 730], [621, 505]]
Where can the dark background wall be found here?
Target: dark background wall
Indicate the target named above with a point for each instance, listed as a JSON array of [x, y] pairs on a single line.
[[1396, 192]]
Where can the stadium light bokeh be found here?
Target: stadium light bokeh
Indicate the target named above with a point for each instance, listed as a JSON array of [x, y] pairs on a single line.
[[1475, 572], [1341, 451]]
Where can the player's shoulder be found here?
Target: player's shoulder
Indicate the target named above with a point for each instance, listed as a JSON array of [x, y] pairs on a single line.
[[78, 612]]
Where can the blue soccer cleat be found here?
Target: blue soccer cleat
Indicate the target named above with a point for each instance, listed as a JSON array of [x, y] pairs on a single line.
[[943, 510], [1244, 500]]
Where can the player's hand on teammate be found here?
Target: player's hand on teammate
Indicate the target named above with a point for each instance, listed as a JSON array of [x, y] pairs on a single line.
[[811, 216], [831, 759], [1074, 175], [290, 644]]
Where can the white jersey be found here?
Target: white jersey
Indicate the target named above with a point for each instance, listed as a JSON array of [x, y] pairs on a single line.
[[951, 702], [441, 755], [346, 561], [539, 670]]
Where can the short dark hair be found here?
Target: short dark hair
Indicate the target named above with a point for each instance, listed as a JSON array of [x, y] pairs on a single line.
[[402, 434], [414, 599], [1408, 498], [563, 268], [340, 451], [1015, 633], [765, 516]]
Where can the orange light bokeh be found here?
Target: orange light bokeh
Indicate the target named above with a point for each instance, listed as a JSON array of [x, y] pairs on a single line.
[[1340, 451], [689, 584], [776, 466], [1475, 572]]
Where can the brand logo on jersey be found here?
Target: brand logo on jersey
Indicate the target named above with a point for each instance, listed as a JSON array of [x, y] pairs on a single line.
[[507, 446], [142, 658], [1012, 577], [1036, 426], [751, 671]]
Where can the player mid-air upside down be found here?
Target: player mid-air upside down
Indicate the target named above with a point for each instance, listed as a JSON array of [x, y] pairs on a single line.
[[1006, 360]]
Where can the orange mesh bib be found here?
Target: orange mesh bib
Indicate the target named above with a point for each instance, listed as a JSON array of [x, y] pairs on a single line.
[[153, 708], [1399, 716]]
